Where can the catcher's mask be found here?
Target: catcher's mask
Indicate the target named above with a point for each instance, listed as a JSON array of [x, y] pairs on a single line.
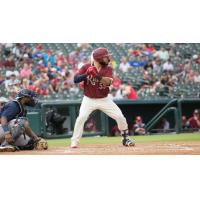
[[33, 97]]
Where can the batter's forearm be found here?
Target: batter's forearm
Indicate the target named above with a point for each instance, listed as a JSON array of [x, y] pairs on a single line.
[[30, 133], [80, 78]]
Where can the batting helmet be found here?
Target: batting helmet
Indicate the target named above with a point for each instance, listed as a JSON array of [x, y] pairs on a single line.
[[100, 54], [30, 94]]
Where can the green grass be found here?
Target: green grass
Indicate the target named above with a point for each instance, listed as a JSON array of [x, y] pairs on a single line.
[[138, 139]]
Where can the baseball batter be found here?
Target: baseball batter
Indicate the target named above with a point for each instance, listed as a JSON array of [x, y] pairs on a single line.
[[96, 78]]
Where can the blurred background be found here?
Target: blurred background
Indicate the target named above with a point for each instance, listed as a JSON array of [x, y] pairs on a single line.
[[152, 70]]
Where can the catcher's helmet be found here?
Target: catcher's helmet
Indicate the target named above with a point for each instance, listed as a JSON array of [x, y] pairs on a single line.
[[30, 94], [99, 54]]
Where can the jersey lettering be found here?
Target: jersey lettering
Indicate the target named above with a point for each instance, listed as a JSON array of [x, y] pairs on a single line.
[[91, 80], [102, 86]]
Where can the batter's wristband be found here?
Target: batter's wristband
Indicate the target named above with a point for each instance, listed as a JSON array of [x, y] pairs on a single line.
[[6, 128], [98, 77]]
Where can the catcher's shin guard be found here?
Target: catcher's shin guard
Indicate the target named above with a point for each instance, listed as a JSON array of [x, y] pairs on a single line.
[[125, 139], [18, 129], [29, 146]]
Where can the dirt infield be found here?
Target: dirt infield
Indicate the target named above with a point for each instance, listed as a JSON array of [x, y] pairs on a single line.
[[153, 148]]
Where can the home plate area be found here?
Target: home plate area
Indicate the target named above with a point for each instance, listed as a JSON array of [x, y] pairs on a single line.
[[150, 148]]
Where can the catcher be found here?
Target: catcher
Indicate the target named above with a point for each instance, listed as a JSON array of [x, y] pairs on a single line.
[[15, 132]]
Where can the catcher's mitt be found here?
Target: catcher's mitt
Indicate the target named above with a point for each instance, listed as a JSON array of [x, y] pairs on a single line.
[[41, 144]]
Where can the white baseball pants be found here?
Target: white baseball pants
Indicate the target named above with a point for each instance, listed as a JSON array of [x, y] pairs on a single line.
[[105, 105]]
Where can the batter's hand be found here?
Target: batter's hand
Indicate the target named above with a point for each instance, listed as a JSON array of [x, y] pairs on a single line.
[[9, 138], [106, 81], [91, 70]]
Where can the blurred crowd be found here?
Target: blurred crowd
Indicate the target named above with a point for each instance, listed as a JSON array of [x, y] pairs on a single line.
[[144, 69], [162, 72]]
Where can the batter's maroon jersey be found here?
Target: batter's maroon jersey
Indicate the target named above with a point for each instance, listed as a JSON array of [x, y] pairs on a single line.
[[92, 87]]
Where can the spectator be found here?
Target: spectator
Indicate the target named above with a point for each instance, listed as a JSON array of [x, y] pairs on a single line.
[[116, 94], [149, 49], [3, 101], [84, 46], [12, 71], [190, 77], [73, 56], [10, 79], [55, 86], [84, 61], [9, 62], [163, 54], [115, 131], [149, 65], [198, 59], [194, 121], [2, 79], [165, 85], [28, 54], [168, 67], [124, 65], [113, 63], [74, 91], [37, 51], [196, 77], [163, 126], [25, 83], [139, 126], [90, 125], [156, 64], [67, 81], [166, 125], [17, 51], [171, 52], [128, 91], [26, 71], [185, 123], [116, 81], [13, 88], [135, 52], [48, 57]]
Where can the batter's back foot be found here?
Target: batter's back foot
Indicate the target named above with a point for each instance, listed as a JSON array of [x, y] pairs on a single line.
[[127, 142]]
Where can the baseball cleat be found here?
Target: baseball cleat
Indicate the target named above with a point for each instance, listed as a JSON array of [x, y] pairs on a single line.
[[127, 142], [74, 145], [8, 148]]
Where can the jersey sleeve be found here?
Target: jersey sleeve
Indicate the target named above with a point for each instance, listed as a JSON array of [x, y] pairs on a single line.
[[82, 70], [10, 111]]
